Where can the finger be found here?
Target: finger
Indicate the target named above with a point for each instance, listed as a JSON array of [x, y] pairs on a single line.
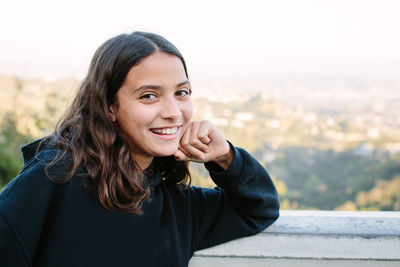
[[185, 136], [183, 151], [194, 137], [186, 146], [179, 155], [204, 132], [192, 152]]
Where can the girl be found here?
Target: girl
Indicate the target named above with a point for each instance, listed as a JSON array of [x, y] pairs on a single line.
[[110, 187]]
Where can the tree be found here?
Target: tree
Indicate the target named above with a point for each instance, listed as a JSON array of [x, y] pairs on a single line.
[[10, 155]]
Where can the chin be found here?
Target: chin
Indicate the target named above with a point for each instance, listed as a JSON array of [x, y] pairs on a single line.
[[166, 152]]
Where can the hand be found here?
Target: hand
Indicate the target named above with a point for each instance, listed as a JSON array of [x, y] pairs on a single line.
[[202, 142]]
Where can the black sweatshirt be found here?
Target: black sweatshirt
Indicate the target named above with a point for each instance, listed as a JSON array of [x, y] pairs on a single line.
[[43, 223]]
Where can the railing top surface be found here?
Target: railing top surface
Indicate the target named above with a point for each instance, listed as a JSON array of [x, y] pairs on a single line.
[[363, 223], [315, 236], [333, 213]]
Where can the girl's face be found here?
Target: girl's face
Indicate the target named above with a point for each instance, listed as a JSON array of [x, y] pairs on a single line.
[[153, 107]]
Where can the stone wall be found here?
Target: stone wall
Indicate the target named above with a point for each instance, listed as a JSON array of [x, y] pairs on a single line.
[[314, 238]]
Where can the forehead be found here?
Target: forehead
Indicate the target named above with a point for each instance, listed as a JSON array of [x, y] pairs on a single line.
[[159, 69]]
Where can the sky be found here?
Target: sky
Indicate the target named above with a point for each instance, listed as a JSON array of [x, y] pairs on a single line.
[[341, 37]]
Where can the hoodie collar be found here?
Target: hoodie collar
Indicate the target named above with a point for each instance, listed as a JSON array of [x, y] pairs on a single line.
[[152, 175], [31, 149]]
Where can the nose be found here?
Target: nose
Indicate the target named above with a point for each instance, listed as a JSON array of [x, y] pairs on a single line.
[[171, 109]]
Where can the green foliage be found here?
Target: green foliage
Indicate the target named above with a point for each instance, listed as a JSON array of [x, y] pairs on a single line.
[[327, 179], [384, 196], [9, 164], [10, 141], [318, 160]]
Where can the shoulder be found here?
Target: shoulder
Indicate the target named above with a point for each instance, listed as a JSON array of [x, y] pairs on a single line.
[[33, 174], [26, 200], [35, 180]]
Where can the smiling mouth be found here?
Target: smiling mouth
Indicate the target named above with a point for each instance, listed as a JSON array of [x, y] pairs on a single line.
[[165, 131]]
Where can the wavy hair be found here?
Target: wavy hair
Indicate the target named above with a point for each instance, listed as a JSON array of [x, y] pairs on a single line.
[[87, 134]]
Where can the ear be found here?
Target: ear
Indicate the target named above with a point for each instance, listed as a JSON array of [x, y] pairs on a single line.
[[113, 112]]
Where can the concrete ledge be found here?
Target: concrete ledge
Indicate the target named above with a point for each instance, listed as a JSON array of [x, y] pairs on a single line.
[[314, 238]]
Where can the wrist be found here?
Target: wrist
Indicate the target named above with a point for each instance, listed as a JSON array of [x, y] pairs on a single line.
[[226, 159]]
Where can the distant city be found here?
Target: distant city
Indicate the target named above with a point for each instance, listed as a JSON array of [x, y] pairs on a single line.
[[330, 142]]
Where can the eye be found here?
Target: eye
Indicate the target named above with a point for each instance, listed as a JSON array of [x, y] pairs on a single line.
[[183, 92], [148, 97]]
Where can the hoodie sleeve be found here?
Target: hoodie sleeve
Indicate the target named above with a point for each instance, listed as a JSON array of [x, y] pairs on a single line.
[[23, 207], [245, 202], [10, 250]]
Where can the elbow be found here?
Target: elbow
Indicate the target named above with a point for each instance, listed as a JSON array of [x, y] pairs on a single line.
[[266, 216], [276, 212], [275, 209], [272, 214], [274, 206]]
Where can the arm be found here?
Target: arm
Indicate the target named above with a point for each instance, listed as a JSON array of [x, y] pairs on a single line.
[[245, 201], [24, 204], [10, 251]]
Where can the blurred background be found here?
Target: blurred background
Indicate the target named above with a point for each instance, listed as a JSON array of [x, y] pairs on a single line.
[[310, 88]]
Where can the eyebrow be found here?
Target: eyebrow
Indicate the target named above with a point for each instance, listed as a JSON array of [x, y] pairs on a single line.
[[157, 87]]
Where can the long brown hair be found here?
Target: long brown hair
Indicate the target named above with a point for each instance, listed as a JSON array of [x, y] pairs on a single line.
[[87, 134]]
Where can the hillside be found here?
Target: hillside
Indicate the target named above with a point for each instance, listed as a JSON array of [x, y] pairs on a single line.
[[329, 143]]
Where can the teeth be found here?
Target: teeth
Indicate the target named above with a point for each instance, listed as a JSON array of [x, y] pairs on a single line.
[[166, 131]]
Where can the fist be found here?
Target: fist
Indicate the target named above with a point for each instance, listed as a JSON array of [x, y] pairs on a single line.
[[202, 142]]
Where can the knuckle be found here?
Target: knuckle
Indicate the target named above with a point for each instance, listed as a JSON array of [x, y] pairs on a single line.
[[184, 143], [194, 142], [202, 135], [203, 138]]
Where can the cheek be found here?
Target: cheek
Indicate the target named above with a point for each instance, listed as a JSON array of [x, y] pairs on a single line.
[[135, 118], [187, 110], [143, 116]]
